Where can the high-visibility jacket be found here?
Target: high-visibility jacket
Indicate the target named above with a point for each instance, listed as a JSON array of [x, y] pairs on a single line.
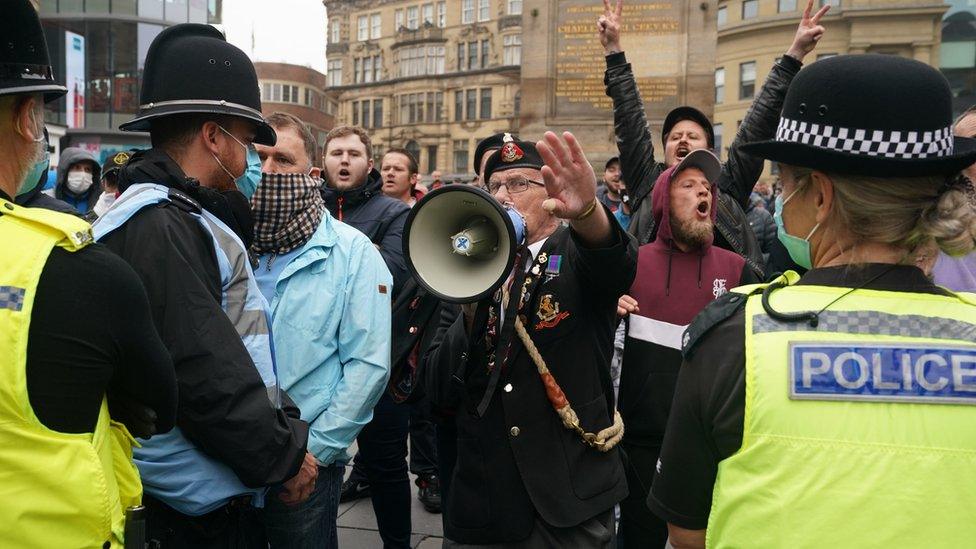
[[860, 431], [56, 489]]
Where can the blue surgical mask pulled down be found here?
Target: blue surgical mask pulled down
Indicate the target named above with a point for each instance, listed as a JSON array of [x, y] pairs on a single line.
[[248, 181], [798, 248]]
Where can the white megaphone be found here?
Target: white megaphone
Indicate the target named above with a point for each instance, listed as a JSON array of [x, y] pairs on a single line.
[[460, 243]]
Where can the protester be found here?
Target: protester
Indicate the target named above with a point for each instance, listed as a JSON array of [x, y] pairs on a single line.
[[353, 194], [523, 475], [686, 129], [765, 191], [798, 419], [180, 222], [762, 224], [401, 176], [609, 194], [330, 295], [110, 181], [435, 180], [78, 170], [80, 362], [678, 274]]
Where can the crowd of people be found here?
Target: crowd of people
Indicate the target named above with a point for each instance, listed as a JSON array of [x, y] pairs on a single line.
[[195, 334]]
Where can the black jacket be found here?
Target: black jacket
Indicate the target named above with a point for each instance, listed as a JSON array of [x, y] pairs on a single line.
[[739, 172], [36, 198], [763, 226], [381, 218], [517, 461], [223, 403], [416, 317]]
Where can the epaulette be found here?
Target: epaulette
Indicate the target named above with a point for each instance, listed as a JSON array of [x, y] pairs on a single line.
[[717, 311], [183, 201]]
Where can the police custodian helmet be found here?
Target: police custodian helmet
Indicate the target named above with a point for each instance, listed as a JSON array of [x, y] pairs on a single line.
[[25, 66], [190, 68]]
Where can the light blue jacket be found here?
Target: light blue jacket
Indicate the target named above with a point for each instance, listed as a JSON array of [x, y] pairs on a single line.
[[331, 326]]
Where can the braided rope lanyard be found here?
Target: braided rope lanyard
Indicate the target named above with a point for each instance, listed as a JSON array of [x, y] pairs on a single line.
[[603, 441]]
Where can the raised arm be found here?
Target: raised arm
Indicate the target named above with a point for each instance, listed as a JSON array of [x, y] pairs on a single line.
[[741, 171]]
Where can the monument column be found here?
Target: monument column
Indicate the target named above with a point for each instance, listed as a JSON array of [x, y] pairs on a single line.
[[670, 45]]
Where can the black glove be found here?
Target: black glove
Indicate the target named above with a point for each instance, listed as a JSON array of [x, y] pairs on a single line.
[[138, 418]]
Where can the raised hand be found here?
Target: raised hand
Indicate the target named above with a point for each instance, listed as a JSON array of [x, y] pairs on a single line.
[[808, 33], [569, 178], [609, 26]]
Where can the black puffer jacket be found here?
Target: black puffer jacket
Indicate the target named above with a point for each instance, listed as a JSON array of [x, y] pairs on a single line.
[[739, 173], [381, 218]]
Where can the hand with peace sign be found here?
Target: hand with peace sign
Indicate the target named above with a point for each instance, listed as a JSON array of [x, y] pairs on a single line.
[[609, 26], [808, 33]]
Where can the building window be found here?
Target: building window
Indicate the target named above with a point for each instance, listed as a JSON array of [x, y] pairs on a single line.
[[831, 2], [472, 55], [787, 5], [413, 17], [334, 34], [750, 8], [515, 7], [513, 49], [377, 113], [485, 103], [363, 28], [367, 69], [722, 15], [365, 112], [428, 14], [420, 60], [485, 50], [356, 68], [483, 13], [458, 106], [747, 80], [460, 147], [397, 20], [419, 108], [467, 11], [717, 131], [377, 67], [355, 113], [719, 85], [442, 14], [471, 104], [375, 26]]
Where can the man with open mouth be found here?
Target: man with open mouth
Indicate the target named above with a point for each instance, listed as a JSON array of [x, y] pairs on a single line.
[[686, 129], [678, 274]]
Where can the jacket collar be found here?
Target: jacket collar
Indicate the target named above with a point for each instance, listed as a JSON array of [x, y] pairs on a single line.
[[356, 196]]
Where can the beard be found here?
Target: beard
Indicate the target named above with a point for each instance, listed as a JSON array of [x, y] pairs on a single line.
[[692, 233]]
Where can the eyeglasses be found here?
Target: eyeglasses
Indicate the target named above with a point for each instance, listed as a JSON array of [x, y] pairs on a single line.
[[514, 186]]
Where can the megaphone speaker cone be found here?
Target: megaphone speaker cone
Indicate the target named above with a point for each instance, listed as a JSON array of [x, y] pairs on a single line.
[[460, 243]]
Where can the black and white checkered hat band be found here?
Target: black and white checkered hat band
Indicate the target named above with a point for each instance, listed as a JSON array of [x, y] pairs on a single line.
[[880, 143]]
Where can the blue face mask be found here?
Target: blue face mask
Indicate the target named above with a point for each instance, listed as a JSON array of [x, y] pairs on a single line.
[[799, 248], [248, 181], [33, 176]]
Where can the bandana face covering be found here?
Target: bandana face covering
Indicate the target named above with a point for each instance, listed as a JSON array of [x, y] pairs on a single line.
[[287, 210]]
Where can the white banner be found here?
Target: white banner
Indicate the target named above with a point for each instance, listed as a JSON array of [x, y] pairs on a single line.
[[74, 64]]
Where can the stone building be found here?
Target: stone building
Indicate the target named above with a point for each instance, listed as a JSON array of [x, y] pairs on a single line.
[[432, 76], [752, 34], [297, 90]]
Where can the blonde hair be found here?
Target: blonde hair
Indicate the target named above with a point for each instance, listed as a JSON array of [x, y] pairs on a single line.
[[905, 212]]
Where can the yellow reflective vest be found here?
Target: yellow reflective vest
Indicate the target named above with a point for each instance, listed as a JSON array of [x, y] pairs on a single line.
[[859, 432], [56, 489]]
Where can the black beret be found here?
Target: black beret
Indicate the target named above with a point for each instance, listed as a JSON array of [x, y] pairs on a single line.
[[491, 143], [513, 154]]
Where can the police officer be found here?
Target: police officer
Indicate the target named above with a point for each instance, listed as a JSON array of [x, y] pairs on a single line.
[[182, 222], [529, 375], [66, 477], [835, 410]]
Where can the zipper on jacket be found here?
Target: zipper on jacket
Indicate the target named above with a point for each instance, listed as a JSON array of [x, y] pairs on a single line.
[[271, 261], [339, 202]]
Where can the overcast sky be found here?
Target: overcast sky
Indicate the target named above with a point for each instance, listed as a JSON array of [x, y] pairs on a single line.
[[283, 31]]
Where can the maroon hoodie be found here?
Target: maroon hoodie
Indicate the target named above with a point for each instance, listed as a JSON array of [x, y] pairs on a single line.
[[671, 287]]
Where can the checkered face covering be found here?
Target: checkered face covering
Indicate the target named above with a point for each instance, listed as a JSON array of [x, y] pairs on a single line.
[[287, 210]]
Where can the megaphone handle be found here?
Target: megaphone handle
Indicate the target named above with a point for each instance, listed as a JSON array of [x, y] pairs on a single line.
[[504, 342]]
